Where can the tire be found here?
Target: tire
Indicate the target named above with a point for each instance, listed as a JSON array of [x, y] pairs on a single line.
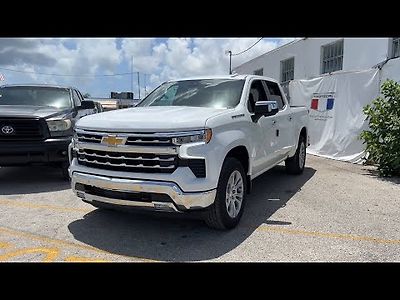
[[64, 171], [295, 165], [221, 215]]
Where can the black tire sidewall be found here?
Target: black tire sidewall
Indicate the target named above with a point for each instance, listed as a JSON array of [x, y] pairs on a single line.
[[230, 165], [301, 141]]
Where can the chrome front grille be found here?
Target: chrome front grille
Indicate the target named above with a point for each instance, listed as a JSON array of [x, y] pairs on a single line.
[[129, 162], [133, 139]]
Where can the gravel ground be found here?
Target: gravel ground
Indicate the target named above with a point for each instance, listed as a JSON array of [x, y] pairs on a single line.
[[334, 211]]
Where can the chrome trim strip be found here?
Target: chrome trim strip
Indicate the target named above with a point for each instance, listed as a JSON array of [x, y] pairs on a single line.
[[191, 200], [82, 151], [129, 148], [125, 165]]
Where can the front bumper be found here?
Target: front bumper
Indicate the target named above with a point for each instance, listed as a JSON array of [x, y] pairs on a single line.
[[32, 152], [179, 200]]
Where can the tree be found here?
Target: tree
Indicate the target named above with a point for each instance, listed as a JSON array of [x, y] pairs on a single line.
[[383, 136]]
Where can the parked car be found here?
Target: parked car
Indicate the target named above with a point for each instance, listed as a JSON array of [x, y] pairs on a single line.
[[36, 123], [191, 145]]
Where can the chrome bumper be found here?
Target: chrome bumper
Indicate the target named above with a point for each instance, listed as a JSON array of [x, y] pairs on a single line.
[[180, 199]]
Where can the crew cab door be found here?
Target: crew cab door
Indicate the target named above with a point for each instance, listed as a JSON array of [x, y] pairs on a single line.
[[263, 131], [284, 130]]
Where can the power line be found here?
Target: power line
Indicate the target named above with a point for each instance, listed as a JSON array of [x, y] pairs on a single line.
[[69, 75], [247, 48]]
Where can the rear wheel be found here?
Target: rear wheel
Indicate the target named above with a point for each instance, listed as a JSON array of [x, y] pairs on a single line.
[[295, 164], [229, 202]]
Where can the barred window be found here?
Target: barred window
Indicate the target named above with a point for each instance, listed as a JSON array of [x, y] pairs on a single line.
[[332, 57], [259, 72], [287, 70], [396, 47]]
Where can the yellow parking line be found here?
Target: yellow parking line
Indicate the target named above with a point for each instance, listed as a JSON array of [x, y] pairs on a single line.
[[4, 245], [14, 232], [329, 235], [50, 253], [82, 259], [18, 203]]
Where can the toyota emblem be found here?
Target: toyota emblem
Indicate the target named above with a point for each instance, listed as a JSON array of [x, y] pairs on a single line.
[[7, 129]]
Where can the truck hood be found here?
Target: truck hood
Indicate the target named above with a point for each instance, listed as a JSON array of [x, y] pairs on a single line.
[[150, 119], [29, 111]]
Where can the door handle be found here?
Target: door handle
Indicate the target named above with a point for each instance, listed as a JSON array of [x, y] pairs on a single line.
[[273, 122]]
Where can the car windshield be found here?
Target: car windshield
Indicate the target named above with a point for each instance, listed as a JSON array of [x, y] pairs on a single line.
[[36, 96], [216, 93]]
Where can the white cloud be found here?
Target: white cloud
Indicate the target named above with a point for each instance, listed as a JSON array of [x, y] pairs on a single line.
[[162, 59]]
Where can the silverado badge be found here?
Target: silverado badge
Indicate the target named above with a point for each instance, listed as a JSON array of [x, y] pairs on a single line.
[[113, 140]]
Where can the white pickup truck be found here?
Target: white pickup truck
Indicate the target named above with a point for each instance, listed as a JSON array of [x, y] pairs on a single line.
[[191, 145]]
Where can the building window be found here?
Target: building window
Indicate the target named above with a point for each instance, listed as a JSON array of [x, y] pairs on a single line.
[[287, 70], [396, 47], [332, 57], [259, 72]]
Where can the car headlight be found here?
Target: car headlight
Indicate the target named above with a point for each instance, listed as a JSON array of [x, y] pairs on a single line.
[[59, 125], [193, 137]]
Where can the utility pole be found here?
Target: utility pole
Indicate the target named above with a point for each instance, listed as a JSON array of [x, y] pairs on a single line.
[[132, 75], [230, 60], [138, 82]]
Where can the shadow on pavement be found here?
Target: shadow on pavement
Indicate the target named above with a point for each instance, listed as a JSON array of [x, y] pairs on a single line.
[[182, 238], [375, 174], [31, 180]]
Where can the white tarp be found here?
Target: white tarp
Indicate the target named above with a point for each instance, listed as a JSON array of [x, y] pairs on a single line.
[[391, 70], [335, 104]]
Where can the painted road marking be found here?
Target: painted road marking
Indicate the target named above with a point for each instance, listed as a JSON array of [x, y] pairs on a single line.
[[46, 206], [32, 236], [329, 235], [50, 253], [83, 259]]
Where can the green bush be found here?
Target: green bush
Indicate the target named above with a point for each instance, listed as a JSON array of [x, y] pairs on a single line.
[[383, 136]]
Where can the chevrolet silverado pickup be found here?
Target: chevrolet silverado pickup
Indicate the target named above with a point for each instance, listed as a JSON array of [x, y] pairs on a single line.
[[36, 124], [191, 145]]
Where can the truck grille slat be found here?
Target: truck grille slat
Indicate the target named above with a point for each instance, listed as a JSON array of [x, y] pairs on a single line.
[[23, 129], [132, 139], [129, 162]]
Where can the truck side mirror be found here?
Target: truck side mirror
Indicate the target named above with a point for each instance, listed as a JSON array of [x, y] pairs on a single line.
[[87, 104], [265, 108]]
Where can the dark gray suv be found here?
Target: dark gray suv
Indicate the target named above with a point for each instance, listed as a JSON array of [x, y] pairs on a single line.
[[36, 123]]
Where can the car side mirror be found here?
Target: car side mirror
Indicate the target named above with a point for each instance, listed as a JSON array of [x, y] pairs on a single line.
[[87, 104], [265, 108]]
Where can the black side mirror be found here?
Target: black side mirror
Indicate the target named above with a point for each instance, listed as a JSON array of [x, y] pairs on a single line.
[[265, 108], [87, 104]]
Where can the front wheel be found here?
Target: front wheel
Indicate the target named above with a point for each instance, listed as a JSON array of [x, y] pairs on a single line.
[[295, 164], [228, 206]]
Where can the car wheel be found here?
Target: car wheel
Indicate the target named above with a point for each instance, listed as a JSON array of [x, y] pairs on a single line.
[[295, 164], [229, 202]]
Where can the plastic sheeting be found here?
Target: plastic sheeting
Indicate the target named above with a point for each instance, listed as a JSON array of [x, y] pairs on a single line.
[[335, 104]]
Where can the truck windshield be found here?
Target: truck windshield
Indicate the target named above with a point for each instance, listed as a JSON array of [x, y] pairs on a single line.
[[35, 96], [216, 93]]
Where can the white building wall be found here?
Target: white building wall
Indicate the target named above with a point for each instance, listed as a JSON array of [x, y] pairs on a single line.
[[358, 54]]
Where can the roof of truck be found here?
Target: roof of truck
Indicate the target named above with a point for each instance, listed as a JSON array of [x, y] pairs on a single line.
[[234, 76]]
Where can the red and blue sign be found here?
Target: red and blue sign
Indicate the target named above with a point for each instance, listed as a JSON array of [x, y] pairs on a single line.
[[321, 104]]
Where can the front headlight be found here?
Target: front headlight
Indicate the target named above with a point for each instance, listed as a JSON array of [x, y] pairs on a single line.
[[59, 125], [193, 137]]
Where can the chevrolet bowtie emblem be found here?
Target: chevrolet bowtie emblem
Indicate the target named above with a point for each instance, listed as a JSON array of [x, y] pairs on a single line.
[[113, 140]]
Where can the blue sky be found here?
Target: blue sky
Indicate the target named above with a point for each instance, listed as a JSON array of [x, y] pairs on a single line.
[[159, 58]]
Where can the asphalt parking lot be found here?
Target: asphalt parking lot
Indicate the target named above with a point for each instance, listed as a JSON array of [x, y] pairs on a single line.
[[335, 211]]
